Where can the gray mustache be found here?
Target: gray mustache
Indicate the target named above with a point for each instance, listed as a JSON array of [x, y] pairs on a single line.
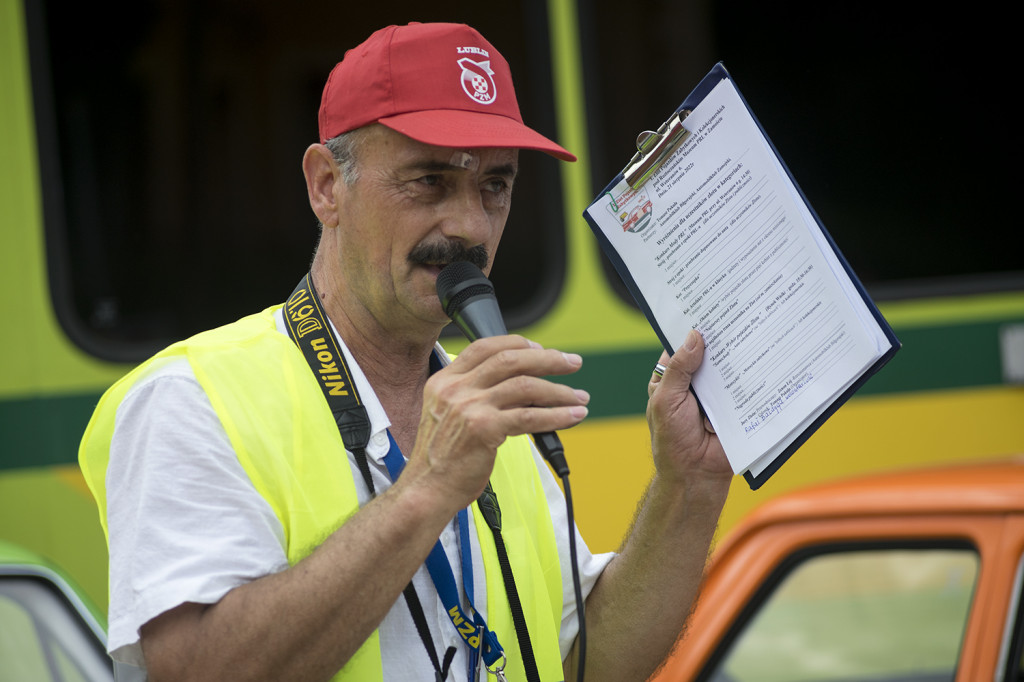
[[449, 252]]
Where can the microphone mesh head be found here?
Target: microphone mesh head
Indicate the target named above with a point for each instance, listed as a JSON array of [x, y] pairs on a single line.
[[460, 281]]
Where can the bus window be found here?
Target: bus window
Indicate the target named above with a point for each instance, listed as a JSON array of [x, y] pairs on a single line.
[[892, 121], [171, 135]]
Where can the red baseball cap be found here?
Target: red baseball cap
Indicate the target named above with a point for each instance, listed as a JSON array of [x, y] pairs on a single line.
[[440, 84]]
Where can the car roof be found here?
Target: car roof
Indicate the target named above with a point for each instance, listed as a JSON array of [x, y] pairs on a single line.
[[19, 561], [10, 553], [982, 487], [16, 554]]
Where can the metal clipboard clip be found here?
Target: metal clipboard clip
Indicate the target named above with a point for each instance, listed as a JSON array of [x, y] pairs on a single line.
[[654, 147]]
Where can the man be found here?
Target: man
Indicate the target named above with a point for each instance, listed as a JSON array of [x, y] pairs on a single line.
[[247, 542]]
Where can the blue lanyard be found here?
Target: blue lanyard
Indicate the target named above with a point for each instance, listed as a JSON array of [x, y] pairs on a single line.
[[309, 328], [474, 631]]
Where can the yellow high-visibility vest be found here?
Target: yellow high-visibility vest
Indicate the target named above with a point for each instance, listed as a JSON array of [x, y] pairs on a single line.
[[285, 437]]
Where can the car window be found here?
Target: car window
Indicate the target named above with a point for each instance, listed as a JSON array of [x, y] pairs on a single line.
[[1012, 655], [878, 614], [42, 638]]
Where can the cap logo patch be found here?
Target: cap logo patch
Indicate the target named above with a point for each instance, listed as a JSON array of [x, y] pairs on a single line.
[[477, 81]]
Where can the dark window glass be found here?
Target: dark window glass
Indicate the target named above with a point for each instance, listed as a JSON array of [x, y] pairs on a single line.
[[171, 134], [895, 122]]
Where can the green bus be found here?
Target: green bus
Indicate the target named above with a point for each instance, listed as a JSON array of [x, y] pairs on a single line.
[[151, 187]]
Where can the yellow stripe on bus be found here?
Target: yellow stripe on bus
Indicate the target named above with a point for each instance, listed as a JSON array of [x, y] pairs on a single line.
[[611, 464]]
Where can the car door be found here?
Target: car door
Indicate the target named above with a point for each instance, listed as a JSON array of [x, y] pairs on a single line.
[[46, 632], [891, 599]]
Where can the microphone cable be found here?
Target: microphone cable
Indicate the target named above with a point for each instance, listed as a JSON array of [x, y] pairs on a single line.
[[467, 297], [550, 447]]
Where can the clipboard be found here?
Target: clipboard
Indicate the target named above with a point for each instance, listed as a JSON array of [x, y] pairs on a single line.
[[654, 149]]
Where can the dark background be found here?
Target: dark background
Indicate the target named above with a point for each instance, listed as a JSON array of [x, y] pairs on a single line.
[[171, 134], [895, 120]]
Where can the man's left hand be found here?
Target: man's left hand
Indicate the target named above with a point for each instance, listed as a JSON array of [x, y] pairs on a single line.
[[685, 444]]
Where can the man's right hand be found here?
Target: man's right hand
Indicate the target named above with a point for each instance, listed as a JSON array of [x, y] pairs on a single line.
[[493, 389]]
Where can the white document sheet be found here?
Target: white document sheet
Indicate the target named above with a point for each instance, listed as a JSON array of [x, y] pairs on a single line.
[[719, 240]]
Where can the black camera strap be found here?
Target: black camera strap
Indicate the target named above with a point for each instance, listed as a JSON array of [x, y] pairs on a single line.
[[308, 327]]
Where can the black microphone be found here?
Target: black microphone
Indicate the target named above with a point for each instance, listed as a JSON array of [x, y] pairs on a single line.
[[467, 297]]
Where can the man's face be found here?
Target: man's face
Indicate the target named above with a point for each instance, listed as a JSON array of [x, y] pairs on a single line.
[[413, 209]]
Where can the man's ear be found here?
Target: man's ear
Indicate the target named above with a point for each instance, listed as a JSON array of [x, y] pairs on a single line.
[[321, 175]]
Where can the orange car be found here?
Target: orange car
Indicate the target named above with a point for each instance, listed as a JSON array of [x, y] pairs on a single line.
[[909, 577]]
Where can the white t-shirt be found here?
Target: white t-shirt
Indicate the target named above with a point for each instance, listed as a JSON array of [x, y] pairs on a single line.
[[187, 525]]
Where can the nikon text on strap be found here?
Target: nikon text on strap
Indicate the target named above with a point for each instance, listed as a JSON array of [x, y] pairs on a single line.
[[309, 328]]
